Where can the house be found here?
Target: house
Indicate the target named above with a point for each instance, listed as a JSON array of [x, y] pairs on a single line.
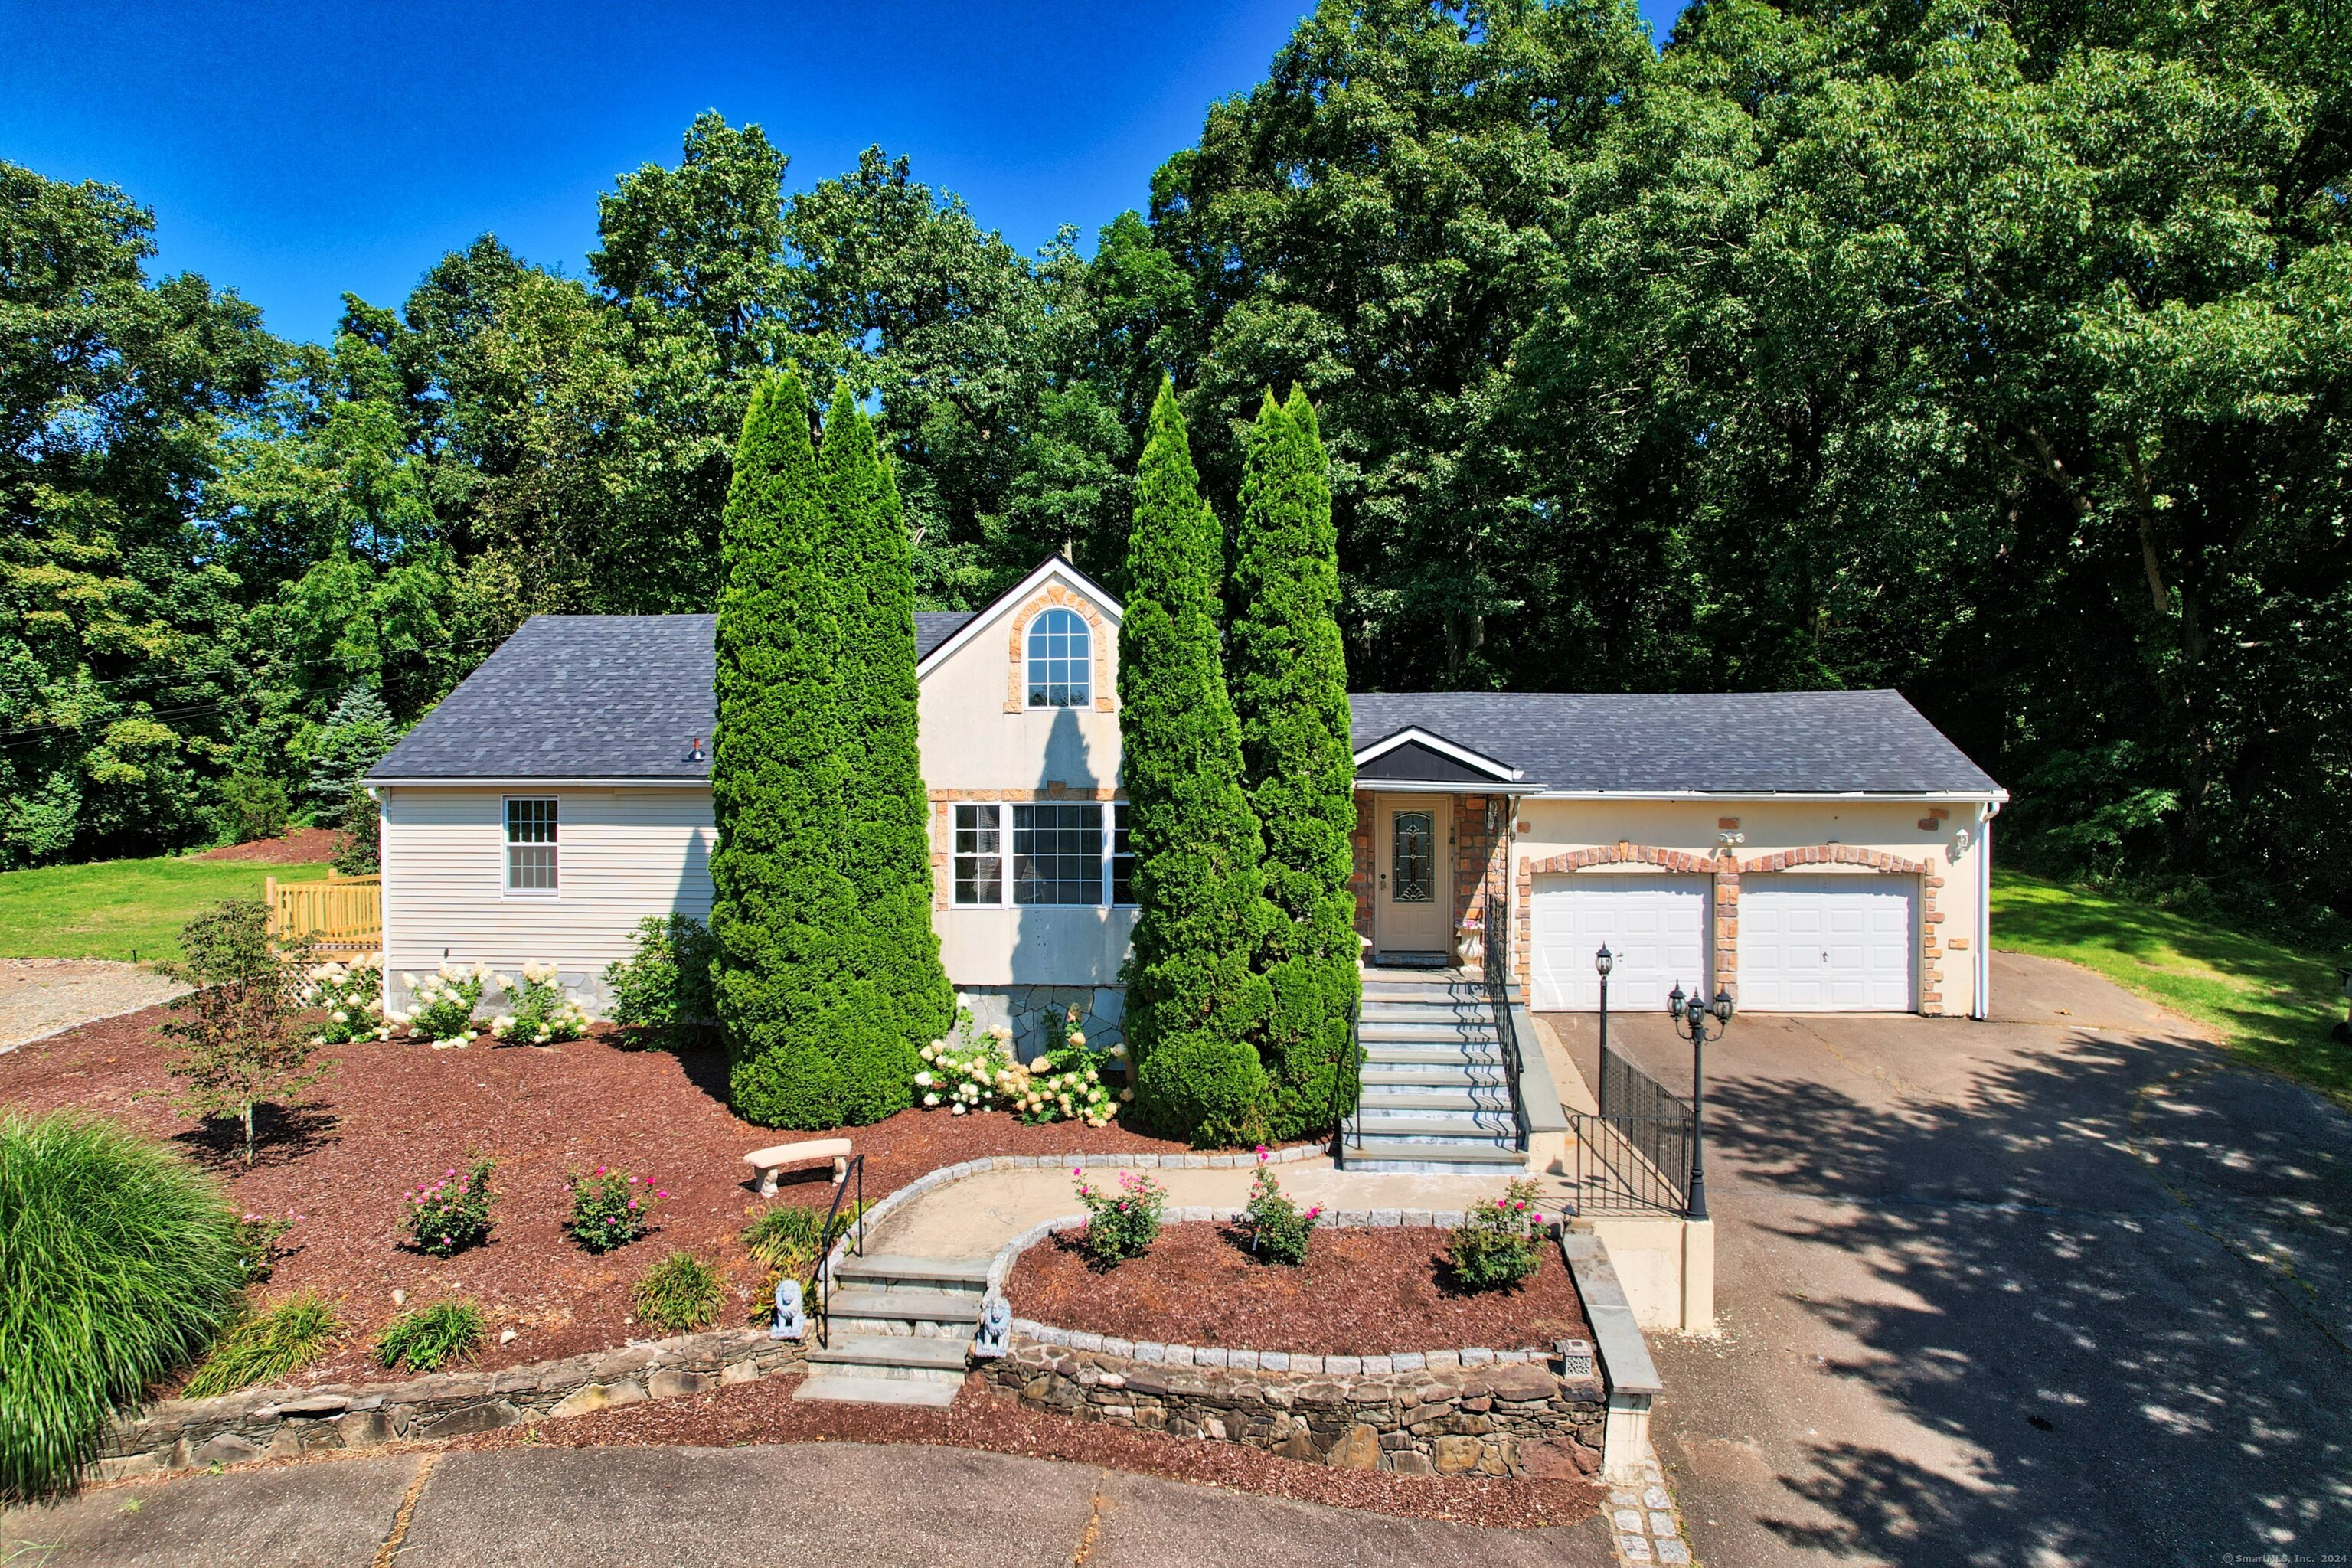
[[1809, 851]]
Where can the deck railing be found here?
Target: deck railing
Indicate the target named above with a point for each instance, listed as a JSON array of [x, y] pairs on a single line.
[[339, 917]]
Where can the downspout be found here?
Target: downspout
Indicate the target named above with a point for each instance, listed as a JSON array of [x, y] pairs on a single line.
[[1985, 814]]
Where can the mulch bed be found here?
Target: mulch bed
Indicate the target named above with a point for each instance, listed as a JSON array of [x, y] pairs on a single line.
[[300, 847], [988, 1419], [394, 1114], [1359, 1292]]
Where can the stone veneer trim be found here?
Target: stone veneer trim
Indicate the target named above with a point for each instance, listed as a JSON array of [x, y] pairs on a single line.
[[1057, 596]]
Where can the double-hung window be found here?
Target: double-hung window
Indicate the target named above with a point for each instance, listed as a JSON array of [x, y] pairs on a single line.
[[531, 845], [1042, 852]]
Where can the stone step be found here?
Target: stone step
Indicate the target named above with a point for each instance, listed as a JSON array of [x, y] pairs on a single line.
[[1430, 1073], [904, 1272], [1375, 1127], [1424, 1053], [1453, 1096], [849, 1389], [1426, 1033], [894, 1356], [1431, 1157], [910, 1305], [1425, 1010]]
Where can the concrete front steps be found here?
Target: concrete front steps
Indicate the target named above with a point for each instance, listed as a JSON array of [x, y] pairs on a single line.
[[1435, 1093], [902, 1329]]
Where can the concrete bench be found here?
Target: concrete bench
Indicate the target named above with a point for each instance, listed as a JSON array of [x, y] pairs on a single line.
[[768, 1161]]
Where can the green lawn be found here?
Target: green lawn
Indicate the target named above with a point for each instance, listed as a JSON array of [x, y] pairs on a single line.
[[121, 909], [2273, 1004]]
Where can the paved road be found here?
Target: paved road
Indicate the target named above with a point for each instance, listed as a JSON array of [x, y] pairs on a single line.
[[832, 1503], [2061, 1288]]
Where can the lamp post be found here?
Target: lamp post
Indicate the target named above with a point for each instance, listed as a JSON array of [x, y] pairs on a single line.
[[1602, 962], [1691, 1013]]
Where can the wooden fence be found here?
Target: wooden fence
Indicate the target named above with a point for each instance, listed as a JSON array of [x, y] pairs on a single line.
[[340, 918]]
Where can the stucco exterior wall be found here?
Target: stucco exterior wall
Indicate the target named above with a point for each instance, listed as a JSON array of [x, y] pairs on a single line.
[[1862, 838], [623, 854]]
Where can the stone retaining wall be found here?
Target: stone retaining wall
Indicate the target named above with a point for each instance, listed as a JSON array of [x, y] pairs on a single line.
[[1523, 1417], [277, 1423]]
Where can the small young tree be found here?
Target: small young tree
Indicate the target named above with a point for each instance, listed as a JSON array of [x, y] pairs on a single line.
[[1195, 1007], [1290, 675], [238, 1035], [354, 737]]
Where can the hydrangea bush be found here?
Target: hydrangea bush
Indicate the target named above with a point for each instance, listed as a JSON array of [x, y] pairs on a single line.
[[543, 1012], [1123, 1223], [976, 1071], [441, 1004], [453, 1213], [352, 996], [610, 1208]]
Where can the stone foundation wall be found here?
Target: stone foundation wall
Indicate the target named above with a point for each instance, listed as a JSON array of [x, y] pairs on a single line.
[[1038, 1013], [1524, 1417], [277, 1423]]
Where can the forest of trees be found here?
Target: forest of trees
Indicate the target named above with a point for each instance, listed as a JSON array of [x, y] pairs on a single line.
[[1995, 352]]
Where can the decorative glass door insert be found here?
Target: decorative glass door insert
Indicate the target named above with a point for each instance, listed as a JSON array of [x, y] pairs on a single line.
[[1412, 857]]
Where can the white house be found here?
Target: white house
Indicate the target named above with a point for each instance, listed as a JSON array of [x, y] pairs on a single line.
[[1808, 850]]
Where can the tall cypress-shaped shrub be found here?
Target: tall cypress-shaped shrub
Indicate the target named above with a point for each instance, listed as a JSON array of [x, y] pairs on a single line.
[[1288, 674], [1195, 1006], [803, 1022], [888, 848]]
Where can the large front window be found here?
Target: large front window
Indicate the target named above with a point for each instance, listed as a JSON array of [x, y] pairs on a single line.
[[1042, 852], [1061, 660], [1058, 854]]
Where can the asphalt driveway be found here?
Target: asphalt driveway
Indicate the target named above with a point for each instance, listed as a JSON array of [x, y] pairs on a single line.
[[2063, 1286]]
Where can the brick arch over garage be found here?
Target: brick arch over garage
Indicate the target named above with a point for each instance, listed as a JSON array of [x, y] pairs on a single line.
[[1726, 871]]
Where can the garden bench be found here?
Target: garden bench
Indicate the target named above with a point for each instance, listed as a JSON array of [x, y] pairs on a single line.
[[768, 1161]]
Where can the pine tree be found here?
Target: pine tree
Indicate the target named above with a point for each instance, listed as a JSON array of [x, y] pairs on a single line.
[[354, 738], [804, 1024], [871, 564], [1194, 1005], [1288, 674]]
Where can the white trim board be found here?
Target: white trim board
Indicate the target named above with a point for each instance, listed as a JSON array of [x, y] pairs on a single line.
[[1413, 734], [1015, 597]]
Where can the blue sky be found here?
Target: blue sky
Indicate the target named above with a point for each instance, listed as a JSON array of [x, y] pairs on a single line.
[[296, 151]]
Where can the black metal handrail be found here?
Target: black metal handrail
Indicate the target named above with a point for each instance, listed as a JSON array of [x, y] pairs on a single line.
[[1635, 1154], [1495, 961], [1348, 1110], [819, 1291]]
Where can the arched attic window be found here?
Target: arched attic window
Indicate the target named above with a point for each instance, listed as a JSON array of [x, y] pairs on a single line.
[[1061, 660]]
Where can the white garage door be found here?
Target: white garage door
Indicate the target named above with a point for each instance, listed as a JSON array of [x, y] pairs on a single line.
[[1827, 944], [1656, 927]]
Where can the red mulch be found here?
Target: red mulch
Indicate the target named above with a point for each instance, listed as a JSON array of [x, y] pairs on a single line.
[[299, 847], [1359, 1292], [988, 1419], [393, 1114]]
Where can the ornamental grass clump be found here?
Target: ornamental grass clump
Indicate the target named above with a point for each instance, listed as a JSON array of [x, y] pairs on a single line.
[[441, 1004], [118, 1263], [681, 1293], [352, 996], [432, 1337], [268, 1346], [609, 1208], [1123, 1223], [1499, 1244], [452, 1213], [1279, 1229], [542, 1012]]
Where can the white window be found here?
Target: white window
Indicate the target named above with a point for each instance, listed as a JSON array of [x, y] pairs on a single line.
[[531, 845], [1042, 852], [1061, 660], [979, 856]]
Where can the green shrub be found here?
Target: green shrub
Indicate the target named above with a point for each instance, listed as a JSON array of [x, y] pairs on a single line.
[[662, 990], [680, 1293], [441, 1004], [257, 1245], [118, 1263], [361, 854], [268, 1347], [1499, 1244], [252, 806], [351, 995], [1123, 1223], [1279, 1229], [454, 1213], [432, 1336], [609, 1208], [539, 1012]]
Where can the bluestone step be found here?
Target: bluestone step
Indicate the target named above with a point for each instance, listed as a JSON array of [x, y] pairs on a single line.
[[849, 1389]]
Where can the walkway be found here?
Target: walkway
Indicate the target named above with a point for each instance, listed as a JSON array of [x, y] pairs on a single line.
[[896, 1507], [42, 996]]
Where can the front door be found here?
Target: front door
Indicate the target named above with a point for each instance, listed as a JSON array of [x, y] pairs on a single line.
[[1412, 891]]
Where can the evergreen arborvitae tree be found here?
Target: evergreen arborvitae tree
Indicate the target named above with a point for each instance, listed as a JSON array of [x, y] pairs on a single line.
[[888, 859], [354, 738], [1289, 673], [1194, 1007], [806, 1024]]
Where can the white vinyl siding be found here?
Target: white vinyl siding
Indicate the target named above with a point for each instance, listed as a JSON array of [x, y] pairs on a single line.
[[1655, 925], [626, 854], [1828, 943]]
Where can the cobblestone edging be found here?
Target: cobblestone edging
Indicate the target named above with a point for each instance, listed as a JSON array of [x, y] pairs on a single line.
[[1505, 1412], [277, 1423], [948, 1174]]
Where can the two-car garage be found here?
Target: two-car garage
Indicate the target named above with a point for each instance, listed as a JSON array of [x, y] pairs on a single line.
[[1823, 942]]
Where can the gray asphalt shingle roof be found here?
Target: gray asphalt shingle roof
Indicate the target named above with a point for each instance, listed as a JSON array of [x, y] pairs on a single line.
[[623, 697], [1716, 742]]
